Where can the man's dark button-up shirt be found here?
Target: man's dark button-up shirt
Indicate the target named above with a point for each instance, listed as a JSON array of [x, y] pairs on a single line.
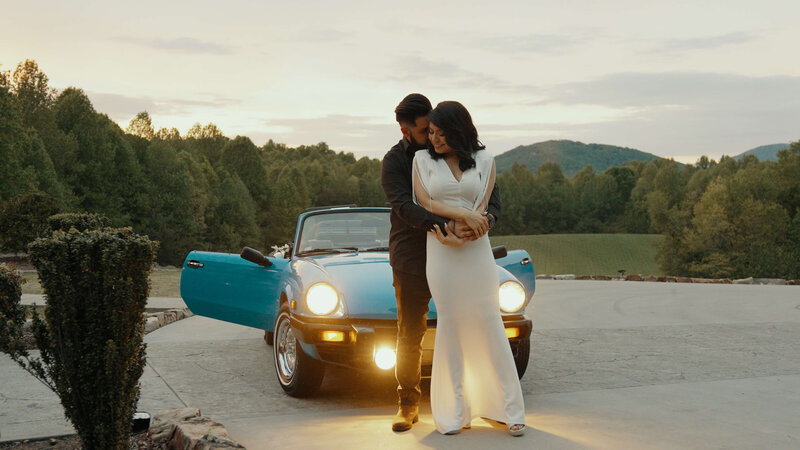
[[410, 222]]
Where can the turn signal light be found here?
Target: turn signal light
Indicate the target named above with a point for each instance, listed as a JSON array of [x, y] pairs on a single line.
[[512, 332], [333, 336]]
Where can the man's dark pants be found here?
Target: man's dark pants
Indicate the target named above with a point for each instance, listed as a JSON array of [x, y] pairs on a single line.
[[413, 295]]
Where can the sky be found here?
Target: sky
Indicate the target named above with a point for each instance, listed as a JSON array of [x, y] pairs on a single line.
[[678, 79]]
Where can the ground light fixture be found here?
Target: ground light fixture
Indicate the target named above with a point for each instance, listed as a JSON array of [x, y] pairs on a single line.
[[385, 358]]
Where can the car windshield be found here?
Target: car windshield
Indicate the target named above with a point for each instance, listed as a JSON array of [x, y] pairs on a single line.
[[335, 232]]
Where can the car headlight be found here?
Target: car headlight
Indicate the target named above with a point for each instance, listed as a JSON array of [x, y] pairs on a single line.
[[322, 299], [512, 296]]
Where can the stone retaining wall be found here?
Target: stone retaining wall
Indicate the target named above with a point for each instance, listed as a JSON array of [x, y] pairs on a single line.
[[651, 278]]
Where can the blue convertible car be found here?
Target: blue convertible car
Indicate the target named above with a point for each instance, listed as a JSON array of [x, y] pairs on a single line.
[[328, 297]]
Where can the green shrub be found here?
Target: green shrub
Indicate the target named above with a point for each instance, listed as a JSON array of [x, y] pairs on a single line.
[[24, 218], [92, 353], [12, 313], [79, 221]]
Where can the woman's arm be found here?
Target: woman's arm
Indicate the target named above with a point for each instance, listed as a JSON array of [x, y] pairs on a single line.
[[475, 220], [485, 202]]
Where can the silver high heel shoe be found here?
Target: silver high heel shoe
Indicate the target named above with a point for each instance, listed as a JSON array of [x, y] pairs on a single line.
[[518, 429]]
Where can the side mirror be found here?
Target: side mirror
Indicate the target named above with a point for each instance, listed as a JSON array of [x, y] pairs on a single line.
[[255, 256], [499, 252]]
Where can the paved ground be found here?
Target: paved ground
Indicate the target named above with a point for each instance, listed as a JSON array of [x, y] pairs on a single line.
[[613, 365]]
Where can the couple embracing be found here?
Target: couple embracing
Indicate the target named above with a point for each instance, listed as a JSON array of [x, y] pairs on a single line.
[[441, 185]]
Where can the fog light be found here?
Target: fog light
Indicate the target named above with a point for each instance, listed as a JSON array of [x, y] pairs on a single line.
[[385, 358], [333, 336], [512, 332]]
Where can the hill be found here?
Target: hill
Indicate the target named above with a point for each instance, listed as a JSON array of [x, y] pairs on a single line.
[[764, 152], [588, 254], [570, 155]]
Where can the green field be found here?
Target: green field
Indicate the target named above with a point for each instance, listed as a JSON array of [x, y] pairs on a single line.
[[579, 254], [163, 283], [588, 254]]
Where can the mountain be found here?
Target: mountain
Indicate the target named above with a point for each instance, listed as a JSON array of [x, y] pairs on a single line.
[[765, 152], [570, 155]]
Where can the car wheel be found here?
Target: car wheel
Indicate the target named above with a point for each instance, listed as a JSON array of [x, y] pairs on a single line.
[[521, 355], [299, 374]]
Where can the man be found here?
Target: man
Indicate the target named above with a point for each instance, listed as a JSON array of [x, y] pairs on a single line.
[[410, 223]]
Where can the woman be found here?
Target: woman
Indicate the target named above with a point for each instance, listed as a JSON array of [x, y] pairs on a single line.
[[473, 369]]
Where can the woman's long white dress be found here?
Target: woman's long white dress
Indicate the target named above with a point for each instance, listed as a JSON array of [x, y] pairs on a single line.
[[474, 374]]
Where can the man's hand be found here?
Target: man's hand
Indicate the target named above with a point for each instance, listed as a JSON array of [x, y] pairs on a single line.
[[451, 239], [462, 230]]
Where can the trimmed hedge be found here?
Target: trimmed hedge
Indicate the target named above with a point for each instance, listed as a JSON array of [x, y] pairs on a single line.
[[79, 221], [24, 218], [12, 313], [91, 346]]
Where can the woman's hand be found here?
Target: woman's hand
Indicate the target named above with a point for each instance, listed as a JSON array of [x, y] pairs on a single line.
[[451, 239], [477, 222]]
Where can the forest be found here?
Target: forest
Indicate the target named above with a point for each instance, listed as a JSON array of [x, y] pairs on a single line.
[[203, 190]]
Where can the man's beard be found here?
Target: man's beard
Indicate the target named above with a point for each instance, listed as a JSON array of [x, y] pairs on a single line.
[[415, 145]]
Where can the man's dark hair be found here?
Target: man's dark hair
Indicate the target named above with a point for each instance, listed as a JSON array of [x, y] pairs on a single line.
[[459, 132], [411, 108]]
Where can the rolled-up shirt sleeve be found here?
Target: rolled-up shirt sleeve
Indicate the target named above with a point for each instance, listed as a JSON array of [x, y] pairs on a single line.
[[396, 181], [494, 203]]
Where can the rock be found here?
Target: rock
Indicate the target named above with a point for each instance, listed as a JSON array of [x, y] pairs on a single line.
[[583, 277], [188, 429], [748, 280], [633, 278], [774, 281], [566, 276], [702, 280], [52, 441], [201, 433], [162, 421], [544, 277], [151, 324], [650, 278], [601, 277], [793, 282], [670, 280]]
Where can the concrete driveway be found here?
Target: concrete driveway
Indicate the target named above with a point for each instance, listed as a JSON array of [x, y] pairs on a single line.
[[613, 365]]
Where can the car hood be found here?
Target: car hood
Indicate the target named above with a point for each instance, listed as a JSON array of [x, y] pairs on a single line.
[[364, 281]]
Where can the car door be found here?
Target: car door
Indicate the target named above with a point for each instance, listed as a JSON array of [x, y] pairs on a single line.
[[520, 264], [226, 287]]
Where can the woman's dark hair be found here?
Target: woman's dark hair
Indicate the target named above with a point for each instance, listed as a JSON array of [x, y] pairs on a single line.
[[411, 108], [456, 123]]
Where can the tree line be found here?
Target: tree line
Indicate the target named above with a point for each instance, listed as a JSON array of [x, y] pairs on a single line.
[[203, 190]]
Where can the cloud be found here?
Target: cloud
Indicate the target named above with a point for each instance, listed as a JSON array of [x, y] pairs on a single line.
[[417, 69], [686, 113], [324, 36], [705, 43], [359, 134], [530, 43], [685, 89], [182, 45], [122, 107]]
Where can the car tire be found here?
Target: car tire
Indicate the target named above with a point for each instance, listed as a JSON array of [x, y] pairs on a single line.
[[269, 337], [521, 356], [299, 374]]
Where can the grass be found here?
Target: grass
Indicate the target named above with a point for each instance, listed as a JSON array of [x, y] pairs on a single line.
[[163, 283], [580, 254], [588, 254]]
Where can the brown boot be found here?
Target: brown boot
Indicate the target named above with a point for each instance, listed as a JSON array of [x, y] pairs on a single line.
[[406, 416]]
